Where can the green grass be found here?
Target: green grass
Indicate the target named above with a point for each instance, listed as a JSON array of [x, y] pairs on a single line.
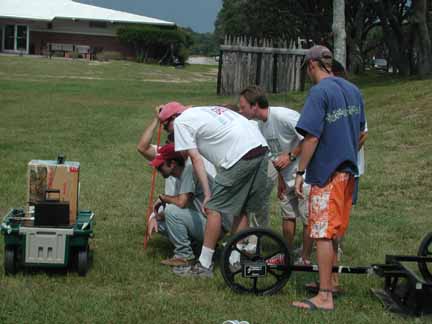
[[95, 113]]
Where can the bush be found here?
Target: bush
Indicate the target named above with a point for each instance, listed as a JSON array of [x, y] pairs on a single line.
[[109, 55], [75, 55], [183, 54], [155, 43]]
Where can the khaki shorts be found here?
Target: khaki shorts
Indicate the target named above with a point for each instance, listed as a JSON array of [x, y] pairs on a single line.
[[240, 188], [294, 207], [291, 206]]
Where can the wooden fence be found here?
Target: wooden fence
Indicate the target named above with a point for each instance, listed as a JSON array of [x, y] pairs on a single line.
[[246, 61]]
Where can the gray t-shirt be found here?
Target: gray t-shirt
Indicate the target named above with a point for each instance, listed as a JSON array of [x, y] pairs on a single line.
[[188, 183], [281, 136]]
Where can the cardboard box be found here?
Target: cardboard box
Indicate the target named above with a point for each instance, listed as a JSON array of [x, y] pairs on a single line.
[[44, 175]]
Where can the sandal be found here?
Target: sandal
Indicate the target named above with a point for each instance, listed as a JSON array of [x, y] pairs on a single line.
[[313, 288], [312, 306]]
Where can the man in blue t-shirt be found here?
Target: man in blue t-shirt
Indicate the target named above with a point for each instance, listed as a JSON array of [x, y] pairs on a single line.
[[331, 122]]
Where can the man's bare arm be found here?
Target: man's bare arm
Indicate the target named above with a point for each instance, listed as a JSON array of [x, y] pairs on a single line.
[[198, 166], [144, 145], [180, 201], [283, 160], [308, 148], [362, 139]]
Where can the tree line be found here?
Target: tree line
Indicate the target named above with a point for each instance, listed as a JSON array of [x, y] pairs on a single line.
[[397, 30]]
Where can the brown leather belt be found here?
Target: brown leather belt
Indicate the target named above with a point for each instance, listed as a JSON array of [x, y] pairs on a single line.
[[255, 152]]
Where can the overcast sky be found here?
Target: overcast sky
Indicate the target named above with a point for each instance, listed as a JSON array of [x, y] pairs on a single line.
[[200, 15]]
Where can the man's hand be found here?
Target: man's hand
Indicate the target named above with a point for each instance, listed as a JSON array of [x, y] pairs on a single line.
[[157, 110], [299, 186], [158, 204], [282, 161], [152, 226], [281, 187], [162, 199], [206, 199]]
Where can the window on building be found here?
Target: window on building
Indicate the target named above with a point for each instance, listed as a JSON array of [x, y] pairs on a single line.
[[21, 38], [98, 24], [15, 38], [9, 41]]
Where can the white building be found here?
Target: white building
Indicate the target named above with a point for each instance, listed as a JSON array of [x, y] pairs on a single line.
[[31, 26]]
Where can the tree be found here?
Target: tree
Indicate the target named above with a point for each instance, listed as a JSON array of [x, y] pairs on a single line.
[[398, 30], [257, 19], [363, 33], [421, 37], [155, 43], [339, 34], [393, 16]]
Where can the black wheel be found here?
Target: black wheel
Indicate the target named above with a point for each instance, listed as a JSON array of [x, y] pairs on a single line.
[[256, 261], [425, 249], [83, 261], [10, 261]]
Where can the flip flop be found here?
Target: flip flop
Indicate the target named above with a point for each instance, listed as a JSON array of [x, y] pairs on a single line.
[[312, 306], [313, 288]]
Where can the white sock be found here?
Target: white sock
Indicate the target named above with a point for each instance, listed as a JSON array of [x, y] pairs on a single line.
[[206, 257]]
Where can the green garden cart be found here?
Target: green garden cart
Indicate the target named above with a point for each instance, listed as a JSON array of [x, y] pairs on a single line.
[[27, 245]]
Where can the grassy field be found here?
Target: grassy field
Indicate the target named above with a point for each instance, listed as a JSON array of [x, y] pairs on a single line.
[[95, 113]]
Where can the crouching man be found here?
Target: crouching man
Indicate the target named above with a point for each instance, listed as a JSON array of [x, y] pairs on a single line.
[[181, 219]]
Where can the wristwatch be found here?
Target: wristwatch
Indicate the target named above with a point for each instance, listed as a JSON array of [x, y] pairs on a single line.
[[292, 157], [300, 173]]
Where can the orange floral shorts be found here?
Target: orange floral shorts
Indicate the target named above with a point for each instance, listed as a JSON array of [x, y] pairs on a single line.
[[330, 207]]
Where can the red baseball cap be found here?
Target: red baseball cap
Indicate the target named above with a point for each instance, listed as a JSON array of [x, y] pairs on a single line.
[[170, 109], [165, 153]]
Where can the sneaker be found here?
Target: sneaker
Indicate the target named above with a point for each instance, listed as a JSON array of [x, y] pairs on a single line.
[[278, 259], [301, 261], [176, 261], [180, 270], [198, 270]]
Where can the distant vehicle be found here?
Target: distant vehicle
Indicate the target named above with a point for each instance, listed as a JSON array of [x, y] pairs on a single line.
[[380, 64]]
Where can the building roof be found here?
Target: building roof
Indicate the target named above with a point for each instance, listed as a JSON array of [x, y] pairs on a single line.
[[48, 10]]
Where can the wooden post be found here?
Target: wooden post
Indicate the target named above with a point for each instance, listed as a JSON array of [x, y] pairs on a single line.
[[219, 78], [275, 73], [258, 69], [276, 68]]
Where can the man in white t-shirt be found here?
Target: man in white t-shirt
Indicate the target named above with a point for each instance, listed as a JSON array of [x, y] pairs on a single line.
[[172, 187], [277, 124], [238, 151]]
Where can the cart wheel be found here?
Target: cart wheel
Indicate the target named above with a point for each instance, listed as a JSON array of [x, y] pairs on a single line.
[[257, 261], [83, 261], [425, 249], [10, 261]]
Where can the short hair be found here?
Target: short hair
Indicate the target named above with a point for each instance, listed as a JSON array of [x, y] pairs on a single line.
[[255, 95], [180, 161], [338, 69]]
